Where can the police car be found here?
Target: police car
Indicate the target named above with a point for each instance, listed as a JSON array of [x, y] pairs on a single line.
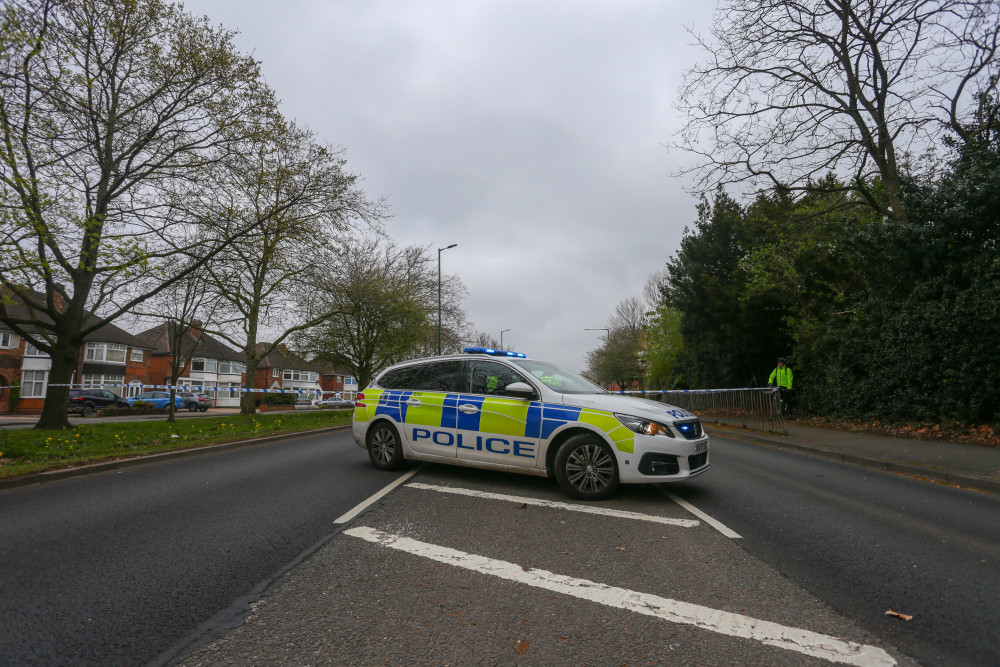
[[495, 409]]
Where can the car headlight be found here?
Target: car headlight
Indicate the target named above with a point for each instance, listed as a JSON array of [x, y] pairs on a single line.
[[644, 426]]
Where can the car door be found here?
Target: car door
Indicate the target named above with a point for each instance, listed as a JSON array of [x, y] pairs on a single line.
[[492, 427], [430, 409]]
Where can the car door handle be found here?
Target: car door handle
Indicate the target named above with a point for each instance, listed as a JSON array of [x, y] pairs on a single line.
[[413, 402], [468, 408]]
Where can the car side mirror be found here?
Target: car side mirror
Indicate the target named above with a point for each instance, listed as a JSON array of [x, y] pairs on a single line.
[[520, 390]]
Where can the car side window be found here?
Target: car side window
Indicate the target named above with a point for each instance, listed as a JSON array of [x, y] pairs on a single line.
[[438, 376], [491, 378], [401, 378]]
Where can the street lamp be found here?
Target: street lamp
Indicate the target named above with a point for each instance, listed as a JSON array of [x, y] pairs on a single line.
[[439, 293], [501, 337]]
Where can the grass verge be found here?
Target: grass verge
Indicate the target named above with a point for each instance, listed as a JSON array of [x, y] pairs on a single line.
[[26, 451]]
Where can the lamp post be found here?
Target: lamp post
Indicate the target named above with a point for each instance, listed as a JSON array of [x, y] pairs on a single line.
[[439, 293], [501, 337]]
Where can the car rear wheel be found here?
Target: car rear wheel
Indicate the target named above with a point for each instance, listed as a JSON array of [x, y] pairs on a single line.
[[586, 468], [384, 447], [88, 410], [192, 407]]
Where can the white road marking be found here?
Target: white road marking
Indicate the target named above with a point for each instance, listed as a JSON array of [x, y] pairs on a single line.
[[735, 625], [590, 509], [718, 525], [373, 499]]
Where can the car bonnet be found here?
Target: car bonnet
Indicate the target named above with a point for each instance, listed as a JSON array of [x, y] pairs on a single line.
[[629, 405]]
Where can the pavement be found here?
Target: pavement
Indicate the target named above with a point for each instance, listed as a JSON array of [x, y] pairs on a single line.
[[969, 466]]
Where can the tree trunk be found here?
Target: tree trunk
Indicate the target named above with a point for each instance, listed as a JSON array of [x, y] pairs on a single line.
[[248, 406], [64, 359]]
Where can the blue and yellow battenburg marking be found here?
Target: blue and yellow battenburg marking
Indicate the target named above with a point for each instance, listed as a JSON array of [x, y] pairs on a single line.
[[496, 415]]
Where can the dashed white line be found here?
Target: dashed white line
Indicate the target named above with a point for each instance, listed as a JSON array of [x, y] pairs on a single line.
[[370, 501], [736, 625], [718, 525], [590, 509]]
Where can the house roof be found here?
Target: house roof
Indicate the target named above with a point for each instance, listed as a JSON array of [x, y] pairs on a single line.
[[158, 340], [107, 333], [282, 357]]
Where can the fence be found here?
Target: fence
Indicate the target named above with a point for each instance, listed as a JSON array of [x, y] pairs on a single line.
[[750, 408]]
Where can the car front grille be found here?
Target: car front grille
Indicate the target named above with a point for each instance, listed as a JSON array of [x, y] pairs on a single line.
[[697, 461]]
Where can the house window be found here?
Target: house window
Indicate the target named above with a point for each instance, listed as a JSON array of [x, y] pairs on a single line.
[[134, 389], [110, 352], [33, 383], [136, 354], [99, 380], [348, 379], [276, 373], [204, 365], [32, 351], [7, 339], [300, 376], [231, 368]]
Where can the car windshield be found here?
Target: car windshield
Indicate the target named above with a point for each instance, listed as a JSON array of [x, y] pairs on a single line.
[[559, 379]]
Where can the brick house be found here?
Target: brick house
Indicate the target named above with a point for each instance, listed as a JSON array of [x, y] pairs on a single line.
[[109, 357], [212, 364], [337, 382], [11, 353], [283, 369]]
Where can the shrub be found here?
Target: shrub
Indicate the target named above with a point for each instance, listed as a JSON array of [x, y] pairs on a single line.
[[279, 399]]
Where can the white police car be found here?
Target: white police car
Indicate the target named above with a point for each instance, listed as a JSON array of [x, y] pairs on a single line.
[[494, 409]]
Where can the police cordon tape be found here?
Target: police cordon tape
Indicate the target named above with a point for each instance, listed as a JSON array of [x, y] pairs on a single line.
[[184, 387]]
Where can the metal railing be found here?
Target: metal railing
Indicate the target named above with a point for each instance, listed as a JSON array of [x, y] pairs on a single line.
[[755, 407]]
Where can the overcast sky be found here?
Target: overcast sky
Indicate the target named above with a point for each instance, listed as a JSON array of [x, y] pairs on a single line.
[[530, 133]]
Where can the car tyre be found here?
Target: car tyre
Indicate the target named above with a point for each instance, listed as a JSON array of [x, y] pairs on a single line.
[[586, 468], [88, 410], [204, 409], [192, 407], [385, 449]]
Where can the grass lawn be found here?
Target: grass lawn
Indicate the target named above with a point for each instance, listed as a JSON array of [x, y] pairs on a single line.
[[24, 451]]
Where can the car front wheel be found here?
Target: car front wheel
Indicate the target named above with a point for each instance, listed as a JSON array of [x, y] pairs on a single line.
[[586, 468], [384, 447]]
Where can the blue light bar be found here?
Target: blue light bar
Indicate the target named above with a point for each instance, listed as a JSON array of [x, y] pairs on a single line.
[[492, 352]]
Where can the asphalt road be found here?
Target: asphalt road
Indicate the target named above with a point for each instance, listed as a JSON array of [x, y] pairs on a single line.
[[125, 567], [114, 568], [867, 541]]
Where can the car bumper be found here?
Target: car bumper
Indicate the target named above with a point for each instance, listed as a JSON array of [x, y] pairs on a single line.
[[657, 459]]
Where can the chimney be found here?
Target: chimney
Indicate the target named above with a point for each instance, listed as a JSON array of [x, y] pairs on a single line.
[[196, 326], [57, 296]]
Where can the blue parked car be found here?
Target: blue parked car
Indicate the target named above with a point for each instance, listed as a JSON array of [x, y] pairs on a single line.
[[158, 399]]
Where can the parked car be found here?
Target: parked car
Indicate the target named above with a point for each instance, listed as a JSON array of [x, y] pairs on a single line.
[[303, 402], [158, 399], [86, 402], [336, 403], [194, 402]]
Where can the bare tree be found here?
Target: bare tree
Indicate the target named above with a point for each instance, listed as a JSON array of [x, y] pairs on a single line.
[[183, 307], [298, 194], [795, 90], [621, 358], [384, 304], [108, 110]]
